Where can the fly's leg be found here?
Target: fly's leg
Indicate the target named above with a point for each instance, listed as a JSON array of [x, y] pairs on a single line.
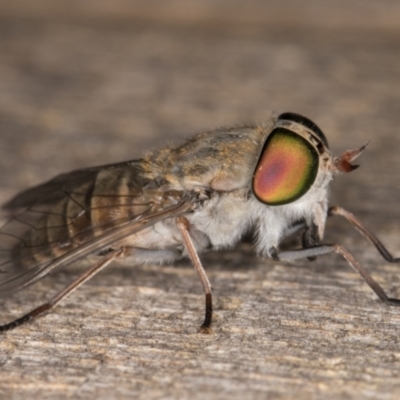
[[364, 232], [337, 248], [141, 255], [89, 273], [310, 239], [183, 225]]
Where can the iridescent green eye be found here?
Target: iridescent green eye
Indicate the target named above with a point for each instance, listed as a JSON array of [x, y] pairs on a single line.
[[287, 168]]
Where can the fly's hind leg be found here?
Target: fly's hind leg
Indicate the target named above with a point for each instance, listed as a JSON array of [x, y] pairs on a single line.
[[183, 225], [89, 273], [364, 232], [339, 249], [139, 255]]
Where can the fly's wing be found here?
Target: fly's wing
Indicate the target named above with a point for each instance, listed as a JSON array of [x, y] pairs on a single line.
[[78, 214], [54, 189]]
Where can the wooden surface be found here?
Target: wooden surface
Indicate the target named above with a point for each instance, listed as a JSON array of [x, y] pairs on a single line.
[[100, 84]]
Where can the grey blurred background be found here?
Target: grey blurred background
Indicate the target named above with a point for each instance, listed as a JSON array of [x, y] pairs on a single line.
[[93, 82]]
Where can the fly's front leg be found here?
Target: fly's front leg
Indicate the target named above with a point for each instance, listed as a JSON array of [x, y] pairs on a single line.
[[310, 239], [89, 273], [364, 232], [337, 248], [183, 225]]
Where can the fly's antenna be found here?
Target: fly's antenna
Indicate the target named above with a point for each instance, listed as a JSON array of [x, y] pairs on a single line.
[[343, 162]]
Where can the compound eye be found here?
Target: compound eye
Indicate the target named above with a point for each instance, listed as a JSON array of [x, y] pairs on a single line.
[[286, 169]]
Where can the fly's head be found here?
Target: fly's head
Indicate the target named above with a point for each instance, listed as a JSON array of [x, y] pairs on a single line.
[[295, 167], [295, 159]]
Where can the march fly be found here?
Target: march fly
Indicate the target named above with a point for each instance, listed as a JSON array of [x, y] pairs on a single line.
[[181, 201]]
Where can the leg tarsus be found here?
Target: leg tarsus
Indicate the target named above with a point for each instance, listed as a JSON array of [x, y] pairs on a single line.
[[206, 325], [25, 318], [393, 302]]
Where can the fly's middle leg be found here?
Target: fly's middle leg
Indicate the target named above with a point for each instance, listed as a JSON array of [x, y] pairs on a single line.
[[183, 225]]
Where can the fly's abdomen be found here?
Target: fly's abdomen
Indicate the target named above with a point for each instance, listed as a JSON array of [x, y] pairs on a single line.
[[53, 229], [82, 211]]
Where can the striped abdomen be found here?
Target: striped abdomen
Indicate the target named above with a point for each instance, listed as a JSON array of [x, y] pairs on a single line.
[[82, 209]]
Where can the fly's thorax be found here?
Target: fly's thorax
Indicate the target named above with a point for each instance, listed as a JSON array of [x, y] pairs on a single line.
[[222, 160], [223, 218]]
